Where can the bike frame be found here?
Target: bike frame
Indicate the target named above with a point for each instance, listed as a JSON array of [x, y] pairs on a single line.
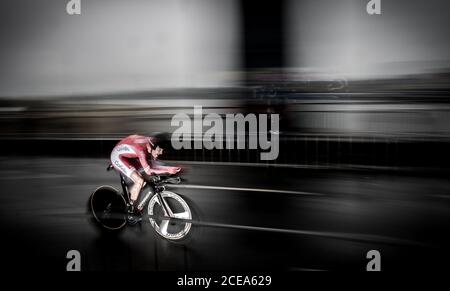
[[126, 193], [158, 190]]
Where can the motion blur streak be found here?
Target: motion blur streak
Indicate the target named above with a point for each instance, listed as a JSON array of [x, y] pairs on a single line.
[[339, 39], [117, 45]]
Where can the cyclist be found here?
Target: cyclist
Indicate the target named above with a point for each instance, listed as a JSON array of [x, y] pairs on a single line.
[[130, 154]]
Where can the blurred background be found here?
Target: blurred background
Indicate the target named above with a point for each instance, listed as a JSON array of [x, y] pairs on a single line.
[[364, 127]]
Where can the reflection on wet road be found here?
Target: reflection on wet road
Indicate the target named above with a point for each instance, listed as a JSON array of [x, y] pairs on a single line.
[[250, 218]]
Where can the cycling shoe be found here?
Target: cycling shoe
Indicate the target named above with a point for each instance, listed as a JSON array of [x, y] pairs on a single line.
[[133, 219]]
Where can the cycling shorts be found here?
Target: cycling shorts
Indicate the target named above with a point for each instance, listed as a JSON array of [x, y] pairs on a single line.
[[122, 159]]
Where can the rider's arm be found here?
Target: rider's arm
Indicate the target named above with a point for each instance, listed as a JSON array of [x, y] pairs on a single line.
[[165, 168], [157, 165], [148, 170], [158, 171], [143, 160]]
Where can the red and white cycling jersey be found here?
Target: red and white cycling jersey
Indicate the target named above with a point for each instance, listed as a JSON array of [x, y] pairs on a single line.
[[131, 153]]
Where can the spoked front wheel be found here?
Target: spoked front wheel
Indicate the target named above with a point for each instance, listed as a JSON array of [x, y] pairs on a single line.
[[174, 225]]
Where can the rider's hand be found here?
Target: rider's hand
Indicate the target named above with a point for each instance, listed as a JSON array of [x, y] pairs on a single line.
[[174, 170]]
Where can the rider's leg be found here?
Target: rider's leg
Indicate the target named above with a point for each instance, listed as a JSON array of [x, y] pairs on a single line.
[[137, 186]]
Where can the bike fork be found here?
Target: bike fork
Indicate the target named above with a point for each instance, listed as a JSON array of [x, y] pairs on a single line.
[[167, 211]]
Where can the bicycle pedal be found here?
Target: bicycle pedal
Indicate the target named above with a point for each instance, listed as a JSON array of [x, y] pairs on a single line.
[[132, 220]]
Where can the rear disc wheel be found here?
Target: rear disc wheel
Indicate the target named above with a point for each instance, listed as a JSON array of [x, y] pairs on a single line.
[[108, 208]]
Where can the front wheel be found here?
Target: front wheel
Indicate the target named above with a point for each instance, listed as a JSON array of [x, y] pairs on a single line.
[[171, 229]]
